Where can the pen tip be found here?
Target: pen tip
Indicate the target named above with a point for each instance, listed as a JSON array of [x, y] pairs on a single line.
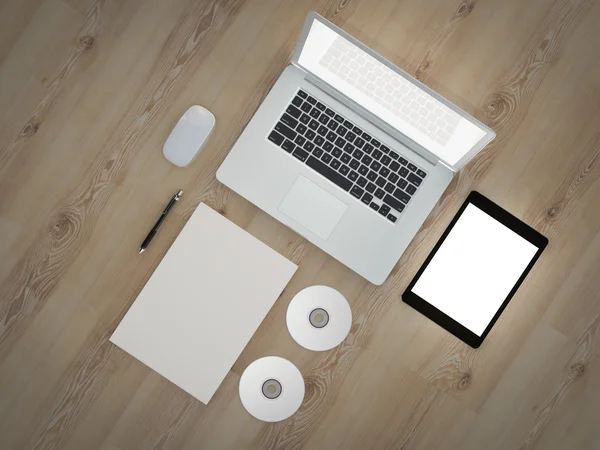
[[141, 251]]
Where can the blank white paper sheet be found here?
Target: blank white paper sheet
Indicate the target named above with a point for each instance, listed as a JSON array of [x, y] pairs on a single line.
[[203, 303], [474, 270]]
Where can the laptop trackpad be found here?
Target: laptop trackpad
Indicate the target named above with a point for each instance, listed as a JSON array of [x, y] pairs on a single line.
[[313, 207]]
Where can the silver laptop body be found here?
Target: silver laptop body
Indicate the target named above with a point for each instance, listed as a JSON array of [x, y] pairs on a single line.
[[350, 151]]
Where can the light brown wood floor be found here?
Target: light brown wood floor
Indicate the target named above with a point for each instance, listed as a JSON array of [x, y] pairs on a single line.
[[88, 92]]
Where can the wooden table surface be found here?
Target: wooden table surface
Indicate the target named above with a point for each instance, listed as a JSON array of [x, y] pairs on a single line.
[[90, 89]]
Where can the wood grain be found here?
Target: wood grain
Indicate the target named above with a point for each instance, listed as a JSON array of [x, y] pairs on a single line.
[[100, 83]]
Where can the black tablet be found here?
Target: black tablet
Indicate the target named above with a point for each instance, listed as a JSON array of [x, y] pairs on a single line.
[[474, 270]]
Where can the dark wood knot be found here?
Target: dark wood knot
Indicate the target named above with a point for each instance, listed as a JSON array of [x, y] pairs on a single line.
[[30, 128], [422, 70], [496, 106], [465, 8], [221, 211], [86, 41], [577, 369], [553, 212], [464, 382]]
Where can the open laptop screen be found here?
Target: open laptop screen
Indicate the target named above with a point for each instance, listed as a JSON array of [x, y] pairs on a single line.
[[388, 95]]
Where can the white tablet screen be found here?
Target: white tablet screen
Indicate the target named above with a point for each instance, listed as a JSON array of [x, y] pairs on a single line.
[[472, 273]]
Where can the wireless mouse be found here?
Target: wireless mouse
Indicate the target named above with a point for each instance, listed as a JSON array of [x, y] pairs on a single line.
[[189, 135]]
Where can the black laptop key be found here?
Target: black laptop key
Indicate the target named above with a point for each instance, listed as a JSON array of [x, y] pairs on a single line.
[[346, 158], [348, 124], [349, 148], [304, 118], [363, 170], [335, 163], [402, 183], [403, 172], [393, 177], [375, 165], [366, 137], [414, 179], [337, 152], [293, 111], [329, 173], [339, 118], [323, 119], [344, 170], [359, 142], [384, 210], [289, 121], [342, 131], [317, 152], [353, 175], [384, 148], [393, 155], [329, 112], [357, 130], [308, 146], [297, 101], [374, 206], [350, 136], [328, 146], [412, 167], [306, 107], [332, 125], [385, 160], [384, 171], [321, 106], [326, 157], [319, 140], [301, 128], [322, 130], [403, 161], [331, 136], [375, 143], [300, 140], [302, 94], [377, 154], [370, 187], [393, 202], [340, 142], [391, 218], [311, 100], [372, 176], [379, 193], [286, 131], [421, 173], [300, 154], [354, 164], [314, 113], [368, 148], [310, 134], [313, 124], [276, 137], [381, 182], [362, 181], [366, 199], [401, 195], [357, 191], [394, 166], [357, 154], [389, 188], [411, 189], [366, 160]]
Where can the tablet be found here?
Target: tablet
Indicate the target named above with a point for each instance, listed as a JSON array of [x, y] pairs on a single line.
[[474, 270]]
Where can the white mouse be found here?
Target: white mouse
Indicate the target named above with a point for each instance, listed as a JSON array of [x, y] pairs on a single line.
[[189, 135]]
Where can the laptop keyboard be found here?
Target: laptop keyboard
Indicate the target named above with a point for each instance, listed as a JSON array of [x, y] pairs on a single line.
[[390, 90], [346, 155]]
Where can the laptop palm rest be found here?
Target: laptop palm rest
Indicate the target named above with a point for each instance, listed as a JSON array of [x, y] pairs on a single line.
[[313, 207]]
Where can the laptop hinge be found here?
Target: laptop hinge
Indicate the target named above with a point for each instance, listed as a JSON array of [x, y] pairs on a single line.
[[370, 117]]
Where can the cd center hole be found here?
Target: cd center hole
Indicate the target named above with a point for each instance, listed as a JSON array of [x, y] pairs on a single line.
[[271, 389], [319, 317]]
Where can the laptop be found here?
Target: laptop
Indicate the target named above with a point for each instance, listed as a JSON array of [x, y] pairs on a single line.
[[350, 151]]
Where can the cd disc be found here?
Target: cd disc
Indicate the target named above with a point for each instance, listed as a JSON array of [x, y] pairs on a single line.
[[271, 389], [319, 318]]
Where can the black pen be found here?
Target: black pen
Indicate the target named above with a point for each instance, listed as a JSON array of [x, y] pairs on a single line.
[[160, 220]]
